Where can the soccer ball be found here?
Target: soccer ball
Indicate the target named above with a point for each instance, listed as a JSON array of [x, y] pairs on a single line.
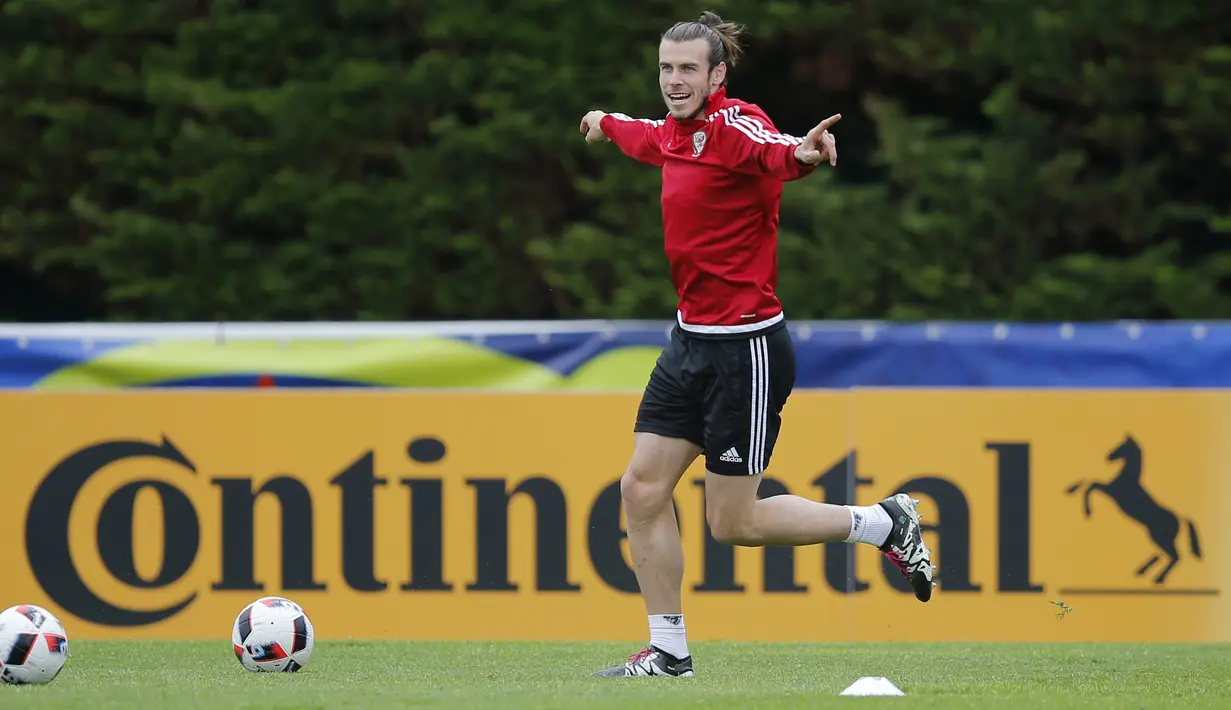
[[33, 645], [273, 635]]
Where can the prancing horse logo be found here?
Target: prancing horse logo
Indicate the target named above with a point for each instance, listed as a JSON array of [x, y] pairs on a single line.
[[1133, 499]]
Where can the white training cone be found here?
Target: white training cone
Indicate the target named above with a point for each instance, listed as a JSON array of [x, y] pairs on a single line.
[[872, 685]]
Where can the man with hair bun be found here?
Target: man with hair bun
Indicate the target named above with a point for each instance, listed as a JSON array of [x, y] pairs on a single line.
[[719, 387]]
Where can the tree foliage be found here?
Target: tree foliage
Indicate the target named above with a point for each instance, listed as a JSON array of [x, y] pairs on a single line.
[[404, 159]]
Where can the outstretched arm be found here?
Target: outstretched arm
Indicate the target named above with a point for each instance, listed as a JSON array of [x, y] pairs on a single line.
[[754, 145], [638, 138]]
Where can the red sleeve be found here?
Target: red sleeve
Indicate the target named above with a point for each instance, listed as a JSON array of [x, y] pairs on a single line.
[[753, 145], [639, 138]]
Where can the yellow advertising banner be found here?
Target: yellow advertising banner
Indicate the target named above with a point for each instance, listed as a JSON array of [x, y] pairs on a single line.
[[459, 515]]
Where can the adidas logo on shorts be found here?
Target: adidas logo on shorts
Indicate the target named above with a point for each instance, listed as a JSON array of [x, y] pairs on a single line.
[[731, 456]]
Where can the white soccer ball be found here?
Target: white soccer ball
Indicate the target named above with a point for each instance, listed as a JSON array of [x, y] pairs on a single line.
[[273, 635], [33, 645]]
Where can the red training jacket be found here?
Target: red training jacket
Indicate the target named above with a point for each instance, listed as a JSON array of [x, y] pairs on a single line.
[[722, 184]]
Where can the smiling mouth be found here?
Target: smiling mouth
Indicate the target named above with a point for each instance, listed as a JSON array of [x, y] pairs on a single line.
[[677, 99]]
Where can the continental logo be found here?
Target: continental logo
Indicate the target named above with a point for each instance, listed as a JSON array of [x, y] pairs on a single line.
[[358, 487], [52, 563]]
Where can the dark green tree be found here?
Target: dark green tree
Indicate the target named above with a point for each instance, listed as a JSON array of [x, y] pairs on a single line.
[[400, 159]]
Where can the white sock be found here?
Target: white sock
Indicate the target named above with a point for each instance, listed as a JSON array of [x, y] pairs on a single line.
[[667, 633], [870, 524]]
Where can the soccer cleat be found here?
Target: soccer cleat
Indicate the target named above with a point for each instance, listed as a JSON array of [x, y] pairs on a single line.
[[905, 547], [651, 661]]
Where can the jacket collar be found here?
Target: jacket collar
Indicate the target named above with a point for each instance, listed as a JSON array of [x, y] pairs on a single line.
[[712, 104]]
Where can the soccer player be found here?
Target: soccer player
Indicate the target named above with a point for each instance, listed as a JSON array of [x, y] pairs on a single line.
[[719, 387]]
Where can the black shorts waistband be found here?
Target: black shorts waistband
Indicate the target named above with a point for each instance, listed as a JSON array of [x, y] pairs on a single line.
[[746, 335]]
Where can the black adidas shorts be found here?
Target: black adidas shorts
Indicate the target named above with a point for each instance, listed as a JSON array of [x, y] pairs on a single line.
[[723, 394]]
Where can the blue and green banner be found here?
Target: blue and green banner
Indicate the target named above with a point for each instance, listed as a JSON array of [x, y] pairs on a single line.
[[602, 355]]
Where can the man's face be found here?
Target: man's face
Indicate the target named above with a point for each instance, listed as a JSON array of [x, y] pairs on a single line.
[[685, 78]]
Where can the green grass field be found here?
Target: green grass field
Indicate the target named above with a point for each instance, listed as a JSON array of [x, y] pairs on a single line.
[[523, 676]]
